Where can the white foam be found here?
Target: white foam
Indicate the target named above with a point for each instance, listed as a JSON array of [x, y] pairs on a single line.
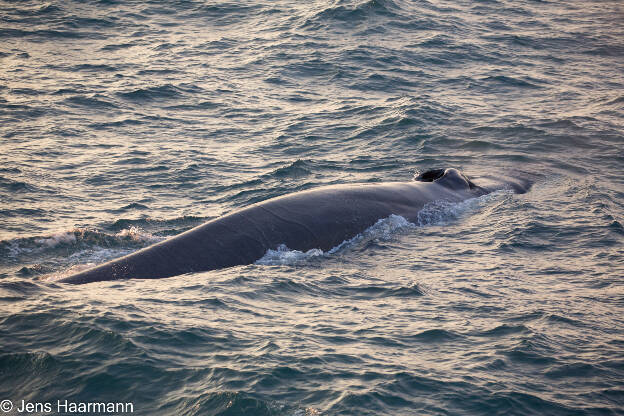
[[25, 246], [86, 259], [90, 257], [136, 234], [66, 237], [283, 256], [442, 212], [76, 268], [97, 255], [77, 237], [383, 229], [14, 249]]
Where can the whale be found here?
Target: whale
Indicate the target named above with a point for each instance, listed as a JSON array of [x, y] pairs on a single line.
[[320, 218]]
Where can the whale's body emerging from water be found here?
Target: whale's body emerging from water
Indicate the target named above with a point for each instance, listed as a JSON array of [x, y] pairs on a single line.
[[319, 218]]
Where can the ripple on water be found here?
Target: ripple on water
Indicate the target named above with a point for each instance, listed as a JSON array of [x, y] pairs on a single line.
[[126, 123]]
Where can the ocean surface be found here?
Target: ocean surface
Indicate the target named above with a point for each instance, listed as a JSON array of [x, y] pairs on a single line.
[[123, 123]]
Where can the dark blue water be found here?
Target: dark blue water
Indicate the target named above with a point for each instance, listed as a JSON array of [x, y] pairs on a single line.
[[123, 123]]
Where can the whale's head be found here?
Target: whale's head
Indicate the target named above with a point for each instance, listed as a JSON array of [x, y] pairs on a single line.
[[449, 178], [455, 180]]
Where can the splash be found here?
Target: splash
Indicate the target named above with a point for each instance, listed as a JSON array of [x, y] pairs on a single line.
[[442, 212], [384, 230], [136, 234], [61, 238], [435, 213], [284, 256], [77, 239]]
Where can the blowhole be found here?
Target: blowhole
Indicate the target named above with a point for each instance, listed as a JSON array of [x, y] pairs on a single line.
[[430, 175]]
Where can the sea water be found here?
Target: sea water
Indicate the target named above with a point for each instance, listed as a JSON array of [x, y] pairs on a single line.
[[123, 123]]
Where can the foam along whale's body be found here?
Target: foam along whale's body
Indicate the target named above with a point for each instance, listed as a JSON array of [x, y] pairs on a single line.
[[319, 218]]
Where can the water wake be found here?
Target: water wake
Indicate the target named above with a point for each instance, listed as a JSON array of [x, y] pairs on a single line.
[[435, 213]]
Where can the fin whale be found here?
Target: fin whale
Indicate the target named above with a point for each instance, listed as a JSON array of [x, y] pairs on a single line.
[[318, 218]]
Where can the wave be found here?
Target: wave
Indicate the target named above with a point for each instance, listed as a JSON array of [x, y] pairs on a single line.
[[15, 186], [161, 92], [94, 101], [435, 336], [116, 124], [508, 81], [116, 47], [376, 291], [296, 169], [76, 240], [48, 34], [351, 13], [38, 10], [18, 112], [75, 249]]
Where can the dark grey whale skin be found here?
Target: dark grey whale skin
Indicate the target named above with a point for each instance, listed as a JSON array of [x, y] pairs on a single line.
[[318, 218]]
